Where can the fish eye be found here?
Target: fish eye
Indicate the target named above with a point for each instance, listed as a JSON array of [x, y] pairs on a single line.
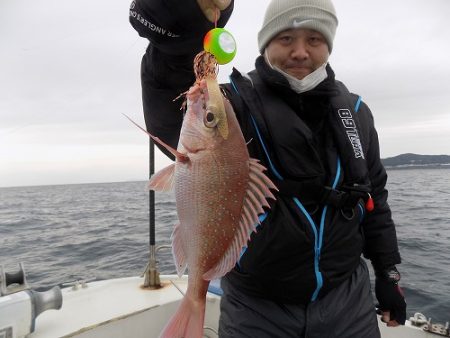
[[210, 119]]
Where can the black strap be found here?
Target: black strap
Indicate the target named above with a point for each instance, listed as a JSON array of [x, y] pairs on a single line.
[[244, 87], [346, 129], [312, 192]]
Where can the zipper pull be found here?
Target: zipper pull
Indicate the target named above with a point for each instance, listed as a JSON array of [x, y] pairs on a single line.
[[369, 203]]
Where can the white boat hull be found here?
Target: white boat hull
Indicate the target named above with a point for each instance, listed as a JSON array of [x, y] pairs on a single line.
[[121, 308]]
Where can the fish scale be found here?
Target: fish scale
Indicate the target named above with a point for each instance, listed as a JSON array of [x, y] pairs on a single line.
[[208, 209]]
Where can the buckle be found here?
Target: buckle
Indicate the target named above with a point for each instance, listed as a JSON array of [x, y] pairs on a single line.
[[334, 197]]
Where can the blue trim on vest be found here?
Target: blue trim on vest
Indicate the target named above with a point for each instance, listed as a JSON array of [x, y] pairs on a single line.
[[338, 173], [318, 236], [361, 209], [272, 167], [234, 86], [261, 218], [321, 231], [317, 246], [358, 104]]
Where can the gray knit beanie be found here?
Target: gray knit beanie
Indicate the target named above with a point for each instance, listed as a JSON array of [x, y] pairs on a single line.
[[318, 15]]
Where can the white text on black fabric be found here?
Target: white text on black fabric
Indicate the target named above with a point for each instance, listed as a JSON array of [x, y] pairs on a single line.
[[154, 28], [352, 132]]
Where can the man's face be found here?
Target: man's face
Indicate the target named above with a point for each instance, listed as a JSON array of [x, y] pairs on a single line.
[[298, 52]]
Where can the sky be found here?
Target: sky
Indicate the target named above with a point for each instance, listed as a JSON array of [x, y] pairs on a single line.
[[70, 69]]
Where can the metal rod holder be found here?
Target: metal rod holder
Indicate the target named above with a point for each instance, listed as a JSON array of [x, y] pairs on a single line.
[[151, 273]]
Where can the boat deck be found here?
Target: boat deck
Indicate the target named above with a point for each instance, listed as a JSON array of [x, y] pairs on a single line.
[[122, 308], [117, 308]]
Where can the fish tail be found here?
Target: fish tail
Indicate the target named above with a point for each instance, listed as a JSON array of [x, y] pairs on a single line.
[[187, 321]]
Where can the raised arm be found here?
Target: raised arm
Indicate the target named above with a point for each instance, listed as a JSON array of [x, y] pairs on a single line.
[[175, 30]]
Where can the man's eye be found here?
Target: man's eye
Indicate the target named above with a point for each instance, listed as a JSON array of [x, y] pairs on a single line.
[[315, 40], [285, 38]]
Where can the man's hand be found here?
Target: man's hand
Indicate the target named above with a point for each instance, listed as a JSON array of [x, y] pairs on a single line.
[[212, 8], [390, 297]]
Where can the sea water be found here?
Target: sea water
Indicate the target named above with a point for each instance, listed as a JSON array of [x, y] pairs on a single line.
[[98, 231]]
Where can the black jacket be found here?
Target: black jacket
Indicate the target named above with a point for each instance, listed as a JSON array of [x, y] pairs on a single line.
[[281, 260], [295, 255]]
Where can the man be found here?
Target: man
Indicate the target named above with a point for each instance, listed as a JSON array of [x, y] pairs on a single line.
[[301, 274]]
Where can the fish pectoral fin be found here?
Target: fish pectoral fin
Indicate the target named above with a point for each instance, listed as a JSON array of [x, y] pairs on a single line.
[[258, 191], [178, 252], [163, 179]]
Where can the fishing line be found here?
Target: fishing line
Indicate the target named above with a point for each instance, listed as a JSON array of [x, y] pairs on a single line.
[[216, 17]]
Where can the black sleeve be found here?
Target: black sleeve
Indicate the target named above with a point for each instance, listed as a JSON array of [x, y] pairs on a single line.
[[163, 79], [175, 30], [379, 228], [173, 26]]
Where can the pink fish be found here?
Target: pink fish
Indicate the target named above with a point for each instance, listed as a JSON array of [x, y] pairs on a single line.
[[219, 193]]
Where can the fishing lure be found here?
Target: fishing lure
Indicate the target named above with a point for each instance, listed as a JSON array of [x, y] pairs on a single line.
[[220, 43]]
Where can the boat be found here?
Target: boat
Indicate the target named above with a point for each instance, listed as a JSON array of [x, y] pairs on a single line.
[[125, 308]]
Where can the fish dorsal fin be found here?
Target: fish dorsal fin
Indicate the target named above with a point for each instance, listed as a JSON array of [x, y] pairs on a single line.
[[178, 250], [163, 179], [258, 191], [179, 156]]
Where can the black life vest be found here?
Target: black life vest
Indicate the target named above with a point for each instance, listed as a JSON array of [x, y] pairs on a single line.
[[306, 182]]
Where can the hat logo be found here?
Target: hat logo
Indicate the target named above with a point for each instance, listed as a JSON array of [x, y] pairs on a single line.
[[296, 23]]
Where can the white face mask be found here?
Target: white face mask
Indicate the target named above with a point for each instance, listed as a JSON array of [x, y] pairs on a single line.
[[309, 82]]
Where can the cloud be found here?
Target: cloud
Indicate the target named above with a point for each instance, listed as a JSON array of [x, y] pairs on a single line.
[[71, 68]]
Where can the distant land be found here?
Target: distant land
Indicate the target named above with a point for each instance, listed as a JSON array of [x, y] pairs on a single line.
[[414, 161]]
